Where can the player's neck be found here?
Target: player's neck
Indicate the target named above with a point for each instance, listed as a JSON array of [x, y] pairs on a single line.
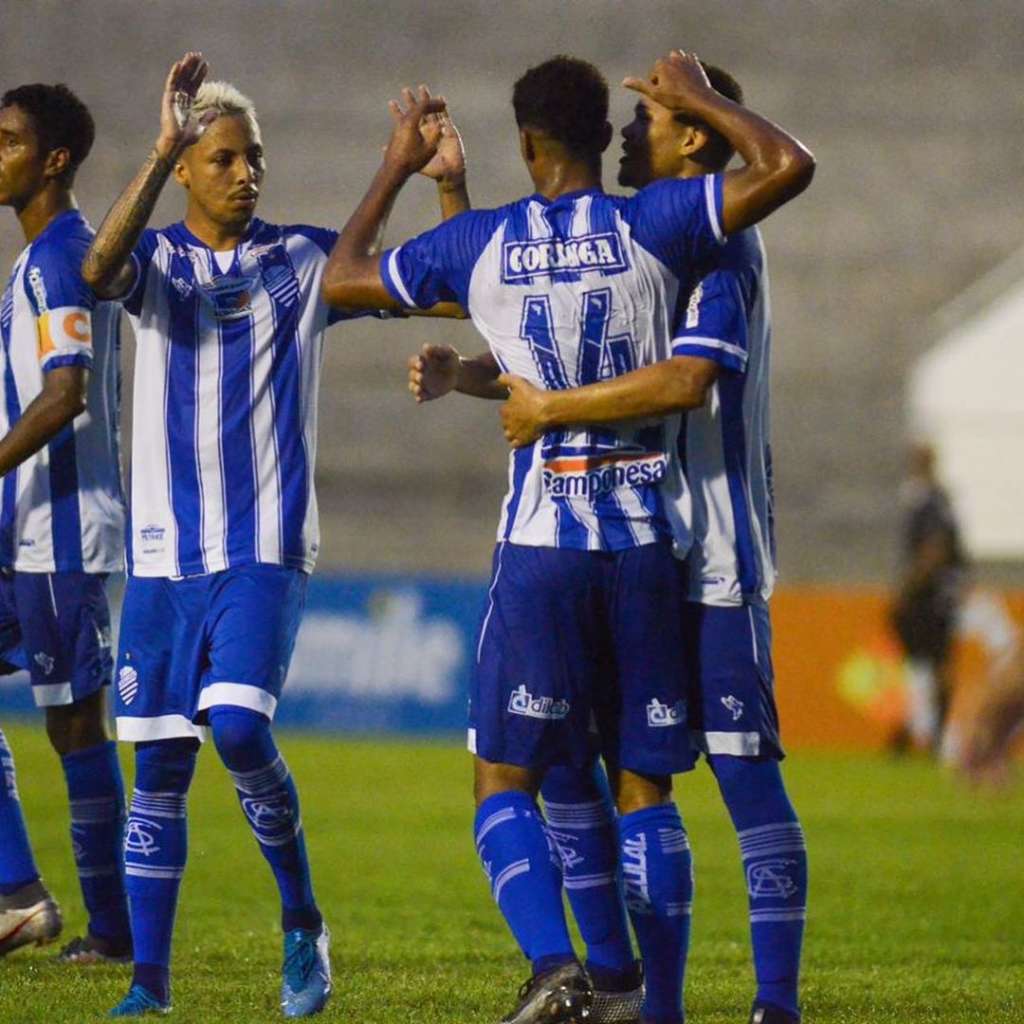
[[219, 237], [43, 207], [559, 179]]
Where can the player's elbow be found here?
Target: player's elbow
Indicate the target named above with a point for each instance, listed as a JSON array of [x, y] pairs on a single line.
[[794, 169], [687, 385], [341, 285]]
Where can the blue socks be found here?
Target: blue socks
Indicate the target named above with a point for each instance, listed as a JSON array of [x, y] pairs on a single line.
[[657, 871], [775, 867], [17, 866], [271, 805], [155, 847], [96, 794], [581, 821], [524, 872]]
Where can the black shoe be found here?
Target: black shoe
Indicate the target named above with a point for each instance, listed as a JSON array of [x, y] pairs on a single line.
[[562, 995], [619, 1004], [767, 1014]]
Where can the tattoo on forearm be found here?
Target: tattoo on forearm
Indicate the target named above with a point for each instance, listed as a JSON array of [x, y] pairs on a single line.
[[122, 226]]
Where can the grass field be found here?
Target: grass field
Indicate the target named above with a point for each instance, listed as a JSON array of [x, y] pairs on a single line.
[[917, 900]]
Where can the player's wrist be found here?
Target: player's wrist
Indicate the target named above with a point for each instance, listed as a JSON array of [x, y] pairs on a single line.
[[447, 184], [167, 150]]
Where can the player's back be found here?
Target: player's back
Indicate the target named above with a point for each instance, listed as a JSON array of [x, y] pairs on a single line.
[[569, 292], [63, 508]]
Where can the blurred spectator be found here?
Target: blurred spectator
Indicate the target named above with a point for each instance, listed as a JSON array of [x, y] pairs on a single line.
[[928, 599]]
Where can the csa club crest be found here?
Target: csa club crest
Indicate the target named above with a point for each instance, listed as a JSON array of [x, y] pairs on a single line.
[[127, 683]]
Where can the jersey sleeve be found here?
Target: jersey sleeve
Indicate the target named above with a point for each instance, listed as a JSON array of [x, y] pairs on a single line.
[[714, 323], [679, 221], [62, 304], [141, 258], [436, 266]]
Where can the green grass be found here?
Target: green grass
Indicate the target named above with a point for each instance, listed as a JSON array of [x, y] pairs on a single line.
[[917, 901]]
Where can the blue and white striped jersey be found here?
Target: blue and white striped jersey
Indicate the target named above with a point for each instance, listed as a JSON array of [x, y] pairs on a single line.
[[724, 446], [566, 293], [227, 372], [62, 509]]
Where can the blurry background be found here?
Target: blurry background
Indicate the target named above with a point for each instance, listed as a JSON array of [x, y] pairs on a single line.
[[913, 110]]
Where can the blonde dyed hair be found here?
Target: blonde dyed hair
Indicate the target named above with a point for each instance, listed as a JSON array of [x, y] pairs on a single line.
[[224, 98]]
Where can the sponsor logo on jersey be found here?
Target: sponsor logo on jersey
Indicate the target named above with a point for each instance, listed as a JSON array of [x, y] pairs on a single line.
[[182, 287], [522, 702], [661, 716], [228, 297], [44, 661], [35, 280], [590, 477], [522, 261], [693, 307], [734, 706], [152, 537], [770, 878], [127, 683]]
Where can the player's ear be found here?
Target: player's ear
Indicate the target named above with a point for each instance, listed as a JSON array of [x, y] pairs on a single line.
[[607, 134], [526, 147], [181, 175], [57, 162], [694, 139]]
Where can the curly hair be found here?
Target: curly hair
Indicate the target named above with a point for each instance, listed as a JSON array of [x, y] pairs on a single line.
[[566, 99], [61, 121], [717, 151]]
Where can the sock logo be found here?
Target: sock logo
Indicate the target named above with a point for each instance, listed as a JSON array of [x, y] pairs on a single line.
[[139, 838], [565, 846], [264, 814], [127, 683], [661, 716], [734, 705], [45, 662], [522, 702], [770, 878], [634, 875]]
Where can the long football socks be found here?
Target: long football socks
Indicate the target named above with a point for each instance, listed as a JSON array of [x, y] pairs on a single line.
[[155, 849], [775, 867], [524, 872], [658, 877], [270, 803], [581, 820], [96, 795], [17, 866]]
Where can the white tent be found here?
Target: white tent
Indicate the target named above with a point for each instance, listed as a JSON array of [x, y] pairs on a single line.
[[967, 399]]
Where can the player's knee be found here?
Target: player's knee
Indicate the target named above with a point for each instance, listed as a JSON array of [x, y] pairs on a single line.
[[635, 792], [490, 778], [79, 726], [163, 766], [565, 784], [242, 737], [750, 786]]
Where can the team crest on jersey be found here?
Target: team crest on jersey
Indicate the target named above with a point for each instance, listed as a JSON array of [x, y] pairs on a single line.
[[543, 257], [662, 716], [522, 702], [127, 683]]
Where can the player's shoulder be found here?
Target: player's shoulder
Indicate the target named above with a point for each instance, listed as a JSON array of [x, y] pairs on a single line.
[[310, 236], [744, 250], [63, 244]]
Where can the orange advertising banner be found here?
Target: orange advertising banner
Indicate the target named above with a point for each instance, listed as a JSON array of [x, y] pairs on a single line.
[[840, 676]]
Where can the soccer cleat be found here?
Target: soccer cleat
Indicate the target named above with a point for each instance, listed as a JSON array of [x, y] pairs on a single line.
[[562, 995], [90, 949], [617, 1007], [139, 1003], [768, 1014], [30, 914], [306, 973]]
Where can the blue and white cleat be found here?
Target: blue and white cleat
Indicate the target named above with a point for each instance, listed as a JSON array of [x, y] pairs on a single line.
[[306, 974], [139, 1003]]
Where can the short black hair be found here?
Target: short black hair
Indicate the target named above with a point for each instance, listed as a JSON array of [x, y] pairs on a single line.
[[60, 118], [717, 151], [567, 99]]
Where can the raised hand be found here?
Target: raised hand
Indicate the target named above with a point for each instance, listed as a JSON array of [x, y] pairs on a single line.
[[415, 137], [522, 411], [433, 373], [178, 128], [675, 81], [448, 164]]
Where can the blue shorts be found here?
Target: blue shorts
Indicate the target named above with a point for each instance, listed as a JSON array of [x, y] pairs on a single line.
[[732, 700], [189, 644], [573, 637], [56, 625]]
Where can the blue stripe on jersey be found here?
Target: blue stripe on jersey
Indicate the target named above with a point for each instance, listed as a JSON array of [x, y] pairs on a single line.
[[8, 516], [517, 229], [603, 220], [613, 523], [67, 519], [181, 413], [734, 448], [559, 215], [571, 531], [522, 459], [236, 349]]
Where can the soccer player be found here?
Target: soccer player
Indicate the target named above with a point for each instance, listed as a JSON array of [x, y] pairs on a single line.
[[570, 286], [719, 371], [229, 321], [61, 518]]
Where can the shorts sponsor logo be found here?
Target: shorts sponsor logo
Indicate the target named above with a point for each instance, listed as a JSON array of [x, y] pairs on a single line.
[[139, 836], [661, 716], [127, 683], [771, 878], [734, 706], [521, 261], [522, 702], [592, 478], [44, 661]]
